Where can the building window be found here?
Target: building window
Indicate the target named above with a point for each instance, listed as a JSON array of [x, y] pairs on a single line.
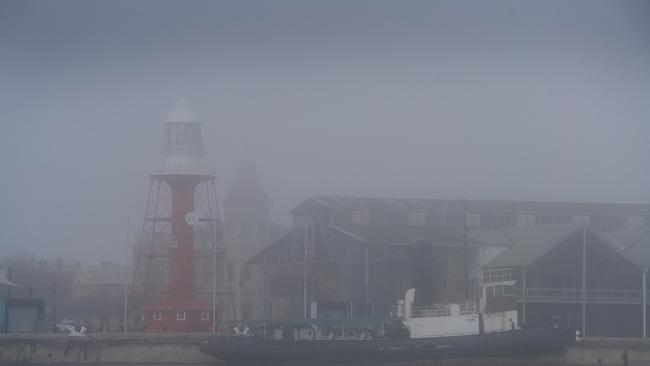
[[508, 290], [524, 220], [580, 219], [157, 316], [361, 217], [180, 315], [473, 220], [414, 218], [205, 315], [635, 222]]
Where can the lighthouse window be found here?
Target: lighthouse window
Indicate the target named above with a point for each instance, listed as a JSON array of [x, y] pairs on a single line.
[[156, 315], [205, 315], [180, 315]]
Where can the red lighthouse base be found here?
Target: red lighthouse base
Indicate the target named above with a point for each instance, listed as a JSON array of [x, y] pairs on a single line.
[[178, 316]]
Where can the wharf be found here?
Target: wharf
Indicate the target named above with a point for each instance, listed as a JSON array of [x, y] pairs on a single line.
[[103, 349]]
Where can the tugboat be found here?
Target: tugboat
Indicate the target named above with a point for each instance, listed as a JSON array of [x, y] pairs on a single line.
[[487, 328]]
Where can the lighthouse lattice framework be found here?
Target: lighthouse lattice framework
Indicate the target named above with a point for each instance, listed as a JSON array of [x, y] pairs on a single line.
[[181, 262]]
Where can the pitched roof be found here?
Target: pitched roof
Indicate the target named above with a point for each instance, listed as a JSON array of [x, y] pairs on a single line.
[[490, 237], [532, 242], [406, 235], [626, 238], [4, 278], [403, 235], [639, 251]]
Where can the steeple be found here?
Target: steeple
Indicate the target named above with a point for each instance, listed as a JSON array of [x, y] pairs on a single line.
[[246, 189], [246, 211]]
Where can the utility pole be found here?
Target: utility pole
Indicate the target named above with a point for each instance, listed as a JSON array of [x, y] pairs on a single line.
[[584, 280], [304, 283], [465, 249], [644, 297]]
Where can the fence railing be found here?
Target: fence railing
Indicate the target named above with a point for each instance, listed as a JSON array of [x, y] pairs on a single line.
[[594, 295]]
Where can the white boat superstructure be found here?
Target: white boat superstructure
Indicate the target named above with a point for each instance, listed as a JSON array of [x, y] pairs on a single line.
[[493, 311]]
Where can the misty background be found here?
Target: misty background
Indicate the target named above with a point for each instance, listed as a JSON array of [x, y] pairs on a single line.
[[513, 100]]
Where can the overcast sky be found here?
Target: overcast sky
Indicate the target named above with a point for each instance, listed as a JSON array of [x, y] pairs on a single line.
[[526, 100]]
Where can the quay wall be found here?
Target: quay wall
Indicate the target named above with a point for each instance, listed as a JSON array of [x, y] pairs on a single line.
[[183, 349], [609, 352], [105, 349]]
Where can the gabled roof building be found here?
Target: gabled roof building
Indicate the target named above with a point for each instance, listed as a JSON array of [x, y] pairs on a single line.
[[576, 276], [352, 256]]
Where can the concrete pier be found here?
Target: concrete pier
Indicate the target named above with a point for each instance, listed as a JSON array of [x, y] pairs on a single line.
[[103, 349]]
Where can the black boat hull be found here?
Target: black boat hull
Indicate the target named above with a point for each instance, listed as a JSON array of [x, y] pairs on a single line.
[[250, 351]]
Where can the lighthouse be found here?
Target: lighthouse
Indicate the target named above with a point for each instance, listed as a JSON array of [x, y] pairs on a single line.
[[181, 205]]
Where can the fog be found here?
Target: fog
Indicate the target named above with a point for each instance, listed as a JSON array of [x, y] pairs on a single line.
[[429, 99]]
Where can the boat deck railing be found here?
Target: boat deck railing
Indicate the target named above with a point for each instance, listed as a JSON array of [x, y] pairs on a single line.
[[496, 275], [443, 310]]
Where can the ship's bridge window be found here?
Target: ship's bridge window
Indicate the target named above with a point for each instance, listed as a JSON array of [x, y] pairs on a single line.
[[490, 291], [508, 290]]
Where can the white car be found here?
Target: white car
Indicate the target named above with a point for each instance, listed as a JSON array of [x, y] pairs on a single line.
[[71, 327]]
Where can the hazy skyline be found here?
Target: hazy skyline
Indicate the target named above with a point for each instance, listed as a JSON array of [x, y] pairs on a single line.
[[546, 100]]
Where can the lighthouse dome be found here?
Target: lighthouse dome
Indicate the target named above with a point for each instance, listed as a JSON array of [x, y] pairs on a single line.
[[180, 113]]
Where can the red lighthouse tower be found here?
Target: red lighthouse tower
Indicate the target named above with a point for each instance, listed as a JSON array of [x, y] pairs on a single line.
[[181, 206]]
